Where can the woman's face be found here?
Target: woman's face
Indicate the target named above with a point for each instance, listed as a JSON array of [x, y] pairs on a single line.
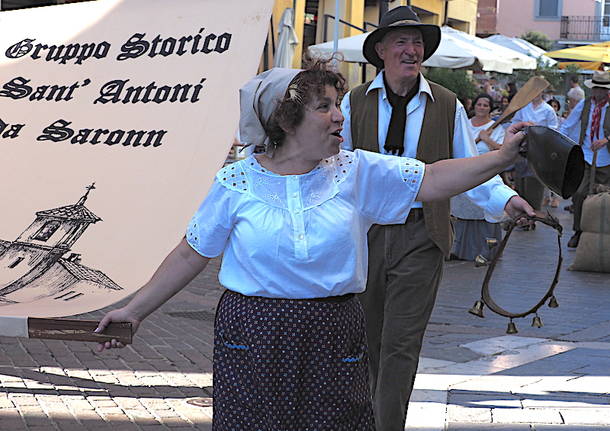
[[555, 105], [505, 102], [319, 132], [482, 107]]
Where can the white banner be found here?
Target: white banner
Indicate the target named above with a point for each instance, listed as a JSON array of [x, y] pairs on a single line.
[[114, 117]]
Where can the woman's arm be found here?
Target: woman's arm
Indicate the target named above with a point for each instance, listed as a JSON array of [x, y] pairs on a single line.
[[447, 178], [180, 266], [485, 136]]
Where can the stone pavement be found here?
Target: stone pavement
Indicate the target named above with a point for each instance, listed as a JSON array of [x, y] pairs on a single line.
[[475, 377], [472, 375]]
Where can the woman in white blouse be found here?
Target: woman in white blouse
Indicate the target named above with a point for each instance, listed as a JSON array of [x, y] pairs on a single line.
[[481, 122], [289, 339], [472, 231]]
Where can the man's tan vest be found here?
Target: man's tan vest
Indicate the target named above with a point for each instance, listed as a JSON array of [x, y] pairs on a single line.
[[584, 123], [435, 143]]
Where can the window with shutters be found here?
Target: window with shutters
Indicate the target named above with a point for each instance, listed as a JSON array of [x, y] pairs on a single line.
[[548, 9]]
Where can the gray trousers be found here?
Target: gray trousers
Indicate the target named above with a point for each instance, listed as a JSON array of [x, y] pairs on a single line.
[[602, 176], [405, 269]]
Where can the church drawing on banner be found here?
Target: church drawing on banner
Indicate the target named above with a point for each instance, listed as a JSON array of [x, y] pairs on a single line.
[[39, 263]]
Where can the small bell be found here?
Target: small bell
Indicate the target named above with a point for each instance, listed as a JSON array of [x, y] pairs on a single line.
[[553, 302], [477, 309], [480, 261], [491, 242], [537, 322], [512, 328]]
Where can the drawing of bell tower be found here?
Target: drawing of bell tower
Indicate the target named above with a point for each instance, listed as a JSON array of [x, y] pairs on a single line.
[[43, 243]]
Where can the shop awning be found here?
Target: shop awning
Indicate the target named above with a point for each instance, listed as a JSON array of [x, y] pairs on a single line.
[[597, 52], [457, 50]]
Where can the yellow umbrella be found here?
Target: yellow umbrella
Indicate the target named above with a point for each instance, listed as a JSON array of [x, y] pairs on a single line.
[[597, 52], [589, 65]]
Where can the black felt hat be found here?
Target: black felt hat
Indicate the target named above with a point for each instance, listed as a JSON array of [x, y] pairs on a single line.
[[397, 18]]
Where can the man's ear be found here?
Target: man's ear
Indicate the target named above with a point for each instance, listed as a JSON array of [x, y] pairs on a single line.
[[379, 49]]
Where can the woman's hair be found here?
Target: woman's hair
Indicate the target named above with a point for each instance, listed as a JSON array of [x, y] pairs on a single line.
[[484, 96], [305, 87], [553, 101]]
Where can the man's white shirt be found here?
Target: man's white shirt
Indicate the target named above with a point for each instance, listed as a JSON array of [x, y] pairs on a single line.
[[571, 128], [490, 196]]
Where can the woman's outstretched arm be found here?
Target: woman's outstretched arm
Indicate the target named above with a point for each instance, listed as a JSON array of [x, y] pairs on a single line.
[[447, 178], [180, 266]]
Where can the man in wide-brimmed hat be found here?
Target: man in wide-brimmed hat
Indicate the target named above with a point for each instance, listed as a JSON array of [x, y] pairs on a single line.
[[401, 113], [589, 125]]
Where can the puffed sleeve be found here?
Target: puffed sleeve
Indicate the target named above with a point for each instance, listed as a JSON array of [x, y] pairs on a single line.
[[386, 186], [209, 229]]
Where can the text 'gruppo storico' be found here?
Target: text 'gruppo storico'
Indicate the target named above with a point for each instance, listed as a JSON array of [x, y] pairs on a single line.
[[136, 46]]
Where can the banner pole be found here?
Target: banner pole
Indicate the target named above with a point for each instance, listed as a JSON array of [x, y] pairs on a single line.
[[336, 36]]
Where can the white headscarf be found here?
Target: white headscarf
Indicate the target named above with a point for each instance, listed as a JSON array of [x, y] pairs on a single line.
[[258, 99]]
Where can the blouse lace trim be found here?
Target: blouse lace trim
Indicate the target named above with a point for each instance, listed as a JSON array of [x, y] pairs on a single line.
[[316, 187], [410, 170]]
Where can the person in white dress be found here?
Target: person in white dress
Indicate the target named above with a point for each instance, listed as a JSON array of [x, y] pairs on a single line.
[[472, 231]]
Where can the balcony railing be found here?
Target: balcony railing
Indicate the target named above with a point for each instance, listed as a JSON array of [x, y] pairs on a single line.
[[327, 17], [585, 28]]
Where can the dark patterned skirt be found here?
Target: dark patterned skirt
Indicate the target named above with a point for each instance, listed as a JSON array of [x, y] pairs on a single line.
[[290, 365]]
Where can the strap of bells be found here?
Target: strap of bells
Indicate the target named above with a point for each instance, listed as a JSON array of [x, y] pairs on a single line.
[[487, 300]]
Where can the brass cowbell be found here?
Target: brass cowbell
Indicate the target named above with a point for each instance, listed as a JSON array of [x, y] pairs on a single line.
[[537, 322], [477, 309], [491, 242], [480, 261], [512, 328]]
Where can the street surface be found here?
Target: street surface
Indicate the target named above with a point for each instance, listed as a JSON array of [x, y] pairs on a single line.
[[473, 376]]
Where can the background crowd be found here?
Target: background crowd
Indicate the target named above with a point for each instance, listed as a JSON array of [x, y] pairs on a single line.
[[475, 237]]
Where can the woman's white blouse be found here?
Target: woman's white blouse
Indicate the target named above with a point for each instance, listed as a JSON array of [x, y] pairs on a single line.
[[302, 236], [497, 135]]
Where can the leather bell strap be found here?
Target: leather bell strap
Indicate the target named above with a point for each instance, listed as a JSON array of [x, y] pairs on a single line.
[[548, 220]]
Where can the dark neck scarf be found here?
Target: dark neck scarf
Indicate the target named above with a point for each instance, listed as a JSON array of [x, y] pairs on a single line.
[[394, 142]]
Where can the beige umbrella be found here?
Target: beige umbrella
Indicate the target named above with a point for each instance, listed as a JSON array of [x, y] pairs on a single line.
[[287, 41]]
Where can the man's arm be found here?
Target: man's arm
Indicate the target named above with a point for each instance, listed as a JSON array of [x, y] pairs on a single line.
[[446, 178], [491, 196], [346, 133], [571, 125]]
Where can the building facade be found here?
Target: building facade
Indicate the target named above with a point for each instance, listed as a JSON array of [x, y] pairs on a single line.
[[566, 22], [314, 23]]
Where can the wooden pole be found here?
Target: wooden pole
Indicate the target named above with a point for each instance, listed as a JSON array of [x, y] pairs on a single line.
[[592, 174], [63, 329], [77, 330]]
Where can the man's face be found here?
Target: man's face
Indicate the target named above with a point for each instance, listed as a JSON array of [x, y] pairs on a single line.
[[402, 52], [599, 94]]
